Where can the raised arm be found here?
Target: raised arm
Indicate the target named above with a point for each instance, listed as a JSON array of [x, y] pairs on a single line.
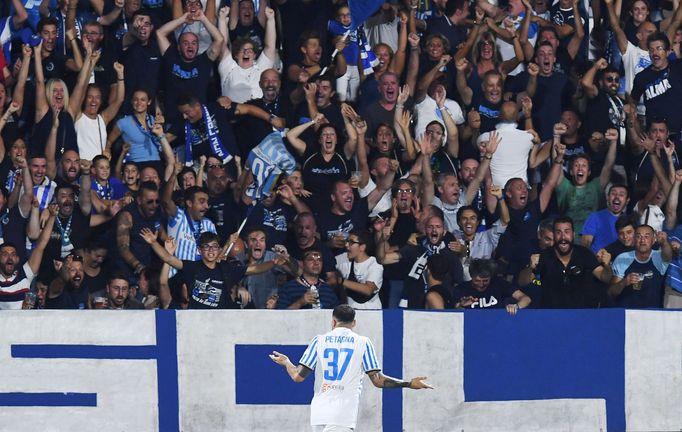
[[234, 15], [413, 62], [427, 79], [296, 373], [452, 142], [487, 150], [20, 86], [223, 16], [270, 48], [78, 94], [214, 50], [26, 198], [293, 135], [621, 38], [84, 198], [398, 62], [587, 81], [51, 147], [533, 71], [151, 237], [579, 34], [428, 184], [37, 253], [605, 175], [528, 49], [168, 28], [112, 110], [465, 92], [555, 174], [42, 103], [168, 204]]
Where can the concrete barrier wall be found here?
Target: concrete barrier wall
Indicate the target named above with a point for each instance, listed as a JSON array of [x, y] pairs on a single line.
[[209, 371]]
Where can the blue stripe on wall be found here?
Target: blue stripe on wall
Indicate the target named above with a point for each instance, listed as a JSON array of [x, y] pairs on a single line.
[[392, 400], [167, 370], [108, 352], [547, 354], [260, 381], [48, 399]]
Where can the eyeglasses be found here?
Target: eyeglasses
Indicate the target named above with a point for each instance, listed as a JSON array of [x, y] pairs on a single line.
[[352, 242], [313, 257], [211, 247], [74, 257], [246, 50], [404, 191]]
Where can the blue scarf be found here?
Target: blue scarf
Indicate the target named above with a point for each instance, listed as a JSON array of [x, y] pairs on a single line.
[[369, 60], [213, 138]]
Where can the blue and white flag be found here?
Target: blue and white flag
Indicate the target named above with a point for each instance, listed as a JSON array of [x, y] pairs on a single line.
[[360, 10], [267, 161]]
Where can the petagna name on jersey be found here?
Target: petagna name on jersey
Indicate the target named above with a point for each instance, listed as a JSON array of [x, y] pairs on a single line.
[[339, 339]]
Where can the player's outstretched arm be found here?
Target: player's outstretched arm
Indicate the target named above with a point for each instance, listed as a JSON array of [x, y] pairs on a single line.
[[383, 381], [297, 373]]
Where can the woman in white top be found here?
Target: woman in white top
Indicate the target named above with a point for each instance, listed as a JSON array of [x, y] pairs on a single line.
[[240, 74], [361, 274], [90, 124]]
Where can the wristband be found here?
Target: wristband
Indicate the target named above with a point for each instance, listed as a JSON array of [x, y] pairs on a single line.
[[488, 156], [558, 162], [121, 79], [442, 108]]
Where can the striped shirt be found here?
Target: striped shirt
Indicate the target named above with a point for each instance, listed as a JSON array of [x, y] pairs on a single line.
[[14, 288], [343, 357], [44, 192], [184, 234]]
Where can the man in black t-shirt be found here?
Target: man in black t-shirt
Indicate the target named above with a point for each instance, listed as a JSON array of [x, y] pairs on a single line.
[[185, 70], [567, 272]]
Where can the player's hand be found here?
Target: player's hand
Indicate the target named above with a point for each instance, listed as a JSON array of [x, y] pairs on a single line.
[[279, 358], [418, 383]]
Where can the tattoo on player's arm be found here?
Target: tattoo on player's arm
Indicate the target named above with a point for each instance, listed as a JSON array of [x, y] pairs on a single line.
[[303, 371], [384, 381]]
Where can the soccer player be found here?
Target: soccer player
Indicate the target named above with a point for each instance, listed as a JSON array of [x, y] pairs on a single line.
[[342, 356]]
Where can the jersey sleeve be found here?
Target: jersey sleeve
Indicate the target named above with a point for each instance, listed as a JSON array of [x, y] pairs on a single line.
[[177, 217], [620, 265], [309, 357], [369, 358]]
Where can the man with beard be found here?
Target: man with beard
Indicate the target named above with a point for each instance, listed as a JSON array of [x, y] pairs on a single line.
[[68, 170], [117, 293], [263, 285], [185, 70], [15, 280], [319, 98], [600, 227], [133, 253], [413, 259], [605, 110], [567, 272], [638, 275], [580, 196], [187, 224], [66, 291], [647, 149]]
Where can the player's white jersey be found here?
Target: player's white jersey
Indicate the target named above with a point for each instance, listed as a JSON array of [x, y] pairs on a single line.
[[340, 359]]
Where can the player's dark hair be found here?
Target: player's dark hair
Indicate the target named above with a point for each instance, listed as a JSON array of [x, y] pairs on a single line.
[[658, 36], [117, 275], [148, 185], [344, 313], [461, 211]]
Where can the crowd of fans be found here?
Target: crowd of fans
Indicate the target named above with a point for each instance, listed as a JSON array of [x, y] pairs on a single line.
[[254, 154]]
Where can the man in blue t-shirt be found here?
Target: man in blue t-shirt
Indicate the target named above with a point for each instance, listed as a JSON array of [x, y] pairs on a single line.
[[599, 229]]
